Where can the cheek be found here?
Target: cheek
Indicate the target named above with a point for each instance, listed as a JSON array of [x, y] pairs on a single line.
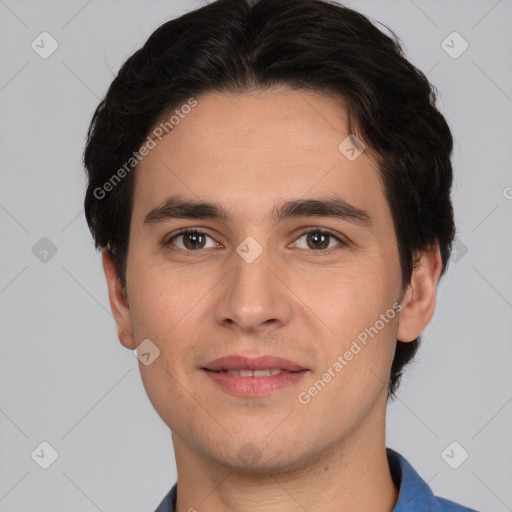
[[347, 297], [164, 308], [161, 297], [167, 307], [354, 376], [353, 310]]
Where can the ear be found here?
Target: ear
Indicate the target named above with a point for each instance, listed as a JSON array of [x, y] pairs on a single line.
[[419, 300], [118, 302]]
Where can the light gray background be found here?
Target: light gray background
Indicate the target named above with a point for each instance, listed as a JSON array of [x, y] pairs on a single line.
[[65, 378]]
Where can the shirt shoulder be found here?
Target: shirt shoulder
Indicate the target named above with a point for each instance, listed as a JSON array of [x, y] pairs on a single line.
[[414, 493], [450, 506]]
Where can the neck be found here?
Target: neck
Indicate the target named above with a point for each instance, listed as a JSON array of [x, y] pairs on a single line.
[[350, 475]]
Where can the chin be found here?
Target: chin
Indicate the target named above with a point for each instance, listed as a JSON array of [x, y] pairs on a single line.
[[253, 457]]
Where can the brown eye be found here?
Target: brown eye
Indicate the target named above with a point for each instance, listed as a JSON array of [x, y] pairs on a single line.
[[319, 240], [192, 240]]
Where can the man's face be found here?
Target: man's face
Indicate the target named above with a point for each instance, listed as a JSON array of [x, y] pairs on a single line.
[[304, 297]]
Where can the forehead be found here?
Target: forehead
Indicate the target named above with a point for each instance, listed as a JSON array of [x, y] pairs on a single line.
[[252, 148], [273, 121]]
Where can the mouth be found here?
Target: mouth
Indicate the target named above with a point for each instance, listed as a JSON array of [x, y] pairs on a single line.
[[252, 373], [253, 377], [262, 363]]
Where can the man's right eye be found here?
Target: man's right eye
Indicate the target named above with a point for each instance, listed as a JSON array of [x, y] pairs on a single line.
[[192, 240]]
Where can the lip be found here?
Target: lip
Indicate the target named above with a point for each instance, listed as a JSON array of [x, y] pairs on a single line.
[[237, 362], [291, 374]]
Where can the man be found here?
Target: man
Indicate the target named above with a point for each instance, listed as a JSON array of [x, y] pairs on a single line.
[[269, 182]]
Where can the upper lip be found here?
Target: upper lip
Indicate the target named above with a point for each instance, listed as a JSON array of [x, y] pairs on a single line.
[[237, 362]]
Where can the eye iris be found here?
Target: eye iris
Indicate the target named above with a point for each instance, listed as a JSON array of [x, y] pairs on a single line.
[[195, 239], [322, 238]]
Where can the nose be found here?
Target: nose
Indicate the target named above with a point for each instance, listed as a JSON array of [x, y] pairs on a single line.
[[254, 296]]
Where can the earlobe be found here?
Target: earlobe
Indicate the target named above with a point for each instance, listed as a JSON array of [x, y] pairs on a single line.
[[118, 302], [418, 304]]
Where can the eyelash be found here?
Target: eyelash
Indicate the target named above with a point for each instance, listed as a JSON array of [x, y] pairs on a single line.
[[321, 252]]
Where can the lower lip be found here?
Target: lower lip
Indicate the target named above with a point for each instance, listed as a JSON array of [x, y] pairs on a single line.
[[254, 386]]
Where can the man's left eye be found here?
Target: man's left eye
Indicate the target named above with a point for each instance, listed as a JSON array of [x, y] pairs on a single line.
[[319, 240]]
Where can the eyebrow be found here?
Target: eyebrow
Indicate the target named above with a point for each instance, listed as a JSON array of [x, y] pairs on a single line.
[[175, 207]]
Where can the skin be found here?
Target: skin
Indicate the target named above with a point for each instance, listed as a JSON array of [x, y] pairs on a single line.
[[251, 152]]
